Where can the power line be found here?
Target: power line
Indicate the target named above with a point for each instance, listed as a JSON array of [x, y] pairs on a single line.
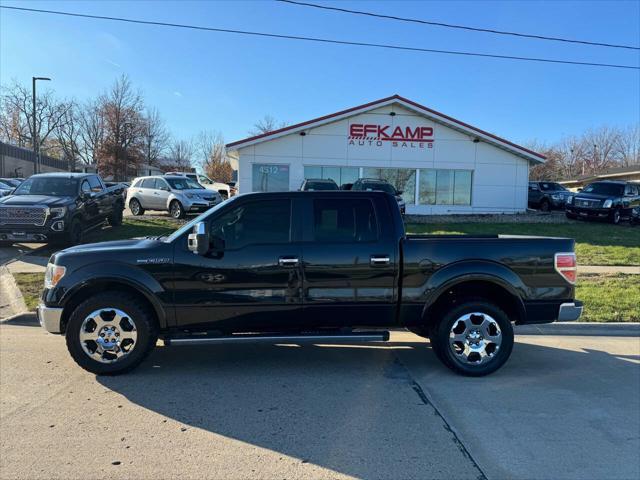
[[461, 27], [321, 40]]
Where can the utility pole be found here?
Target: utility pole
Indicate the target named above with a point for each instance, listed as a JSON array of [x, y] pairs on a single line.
[[34, 139]]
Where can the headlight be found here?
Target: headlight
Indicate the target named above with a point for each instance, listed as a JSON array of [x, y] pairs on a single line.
[[191, 195], [58, 212], [556, 197], [53, 274], [570, 199], [607, 203]]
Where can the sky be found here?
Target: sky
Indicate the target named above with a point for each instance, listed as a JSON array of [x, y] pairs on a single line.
[[225, 82]]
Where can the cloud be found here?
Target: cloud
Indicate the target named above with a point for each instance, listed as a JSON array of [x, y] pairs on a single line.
[[178, 94]]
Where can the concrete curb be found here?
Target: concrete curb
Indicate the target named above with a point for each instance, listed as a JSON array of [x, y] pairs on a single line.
[[613, 329], [11, 300]]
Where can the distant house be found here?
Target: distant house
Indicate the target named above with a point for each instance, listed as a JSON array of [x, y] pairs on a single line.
[[630, 173]]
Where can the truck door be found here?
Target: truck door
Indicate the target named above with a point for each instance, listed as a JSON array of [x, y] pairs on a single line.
[[350, 261], [251, 279]]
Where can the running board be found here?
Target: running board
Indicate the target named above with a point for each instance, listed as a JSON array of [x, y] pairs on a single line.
[[375, 336]]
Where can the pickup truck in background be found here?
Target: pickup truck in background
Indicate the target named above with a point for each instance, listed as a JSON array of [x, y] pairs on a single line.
[[305, 266], [59, 208]]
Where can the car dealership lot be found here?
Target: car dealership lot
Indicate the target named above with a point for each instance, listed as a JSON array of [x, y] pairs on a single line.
[[282, 411]]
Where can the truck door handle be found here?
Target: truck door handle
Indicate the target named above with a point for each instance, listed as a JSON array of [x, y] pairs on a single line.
[[288, 261], [379, 260]]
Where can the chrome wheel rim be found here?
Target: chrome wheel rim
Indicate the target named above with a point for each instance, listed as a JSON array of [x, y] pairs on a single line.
[[108, 335], [475, 338], [175, 210], [135, 207]]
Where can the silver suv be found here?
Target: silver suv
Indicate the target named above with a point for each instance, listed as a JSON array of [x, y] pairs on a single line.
[[176, 194]]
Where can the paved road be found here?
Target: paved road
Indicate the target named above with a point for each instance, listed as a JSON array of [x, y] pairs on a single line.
[[564, 407]]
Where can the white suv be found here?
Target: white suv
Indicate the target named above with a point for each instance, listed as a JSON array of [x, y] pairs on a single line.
[[222, 188]]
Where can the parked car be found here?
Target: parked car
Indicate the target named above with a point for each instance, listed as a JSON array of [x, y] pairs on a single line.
[[175, 194], [12, 182], [547, 196], [58, 207], [315, 184], [375, 184], [606, 200], [222, 188], [5, 189], [305, 266], [233, 188]]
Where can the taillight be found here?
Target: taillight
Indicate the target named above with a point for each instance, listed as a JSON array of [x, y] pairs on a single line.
[[566, 265]]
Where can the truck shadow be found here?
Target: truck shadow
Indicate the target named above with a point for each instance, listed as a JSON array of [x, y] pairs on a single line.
[[354, 409]]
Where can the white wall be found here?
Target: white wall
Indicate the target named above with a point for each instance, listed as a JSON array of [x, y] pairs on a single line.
[[500, 178]]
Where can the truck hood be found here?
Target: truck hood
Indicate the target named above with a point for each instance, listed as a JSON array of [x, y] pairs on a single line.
[[592, 196], [36, 200], [106, 250]]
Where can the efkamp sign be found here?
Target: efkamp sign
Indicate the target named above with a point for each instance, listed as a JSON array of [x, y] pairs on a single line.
[[373, 135]]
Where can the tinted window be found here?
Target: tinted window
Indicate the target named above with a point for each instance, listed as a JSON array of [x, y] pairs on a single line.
[[320, 186], [137, 183], [254, 223], [85, 187], [605, 189], [94, 183], [343, 220], [57, 186], [148, 183]]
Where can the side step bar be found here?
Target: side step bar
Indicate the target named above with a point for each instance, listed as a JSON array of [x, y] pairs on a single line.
[[374, 336]]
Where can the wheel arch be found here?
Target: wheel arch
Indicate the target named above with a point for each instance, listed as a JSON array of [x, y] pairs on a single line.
[[76, 296], [500, 286]]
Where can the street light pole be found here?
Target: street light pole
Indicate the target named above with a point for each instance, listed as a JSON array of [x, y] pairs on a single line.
[[35, 140]]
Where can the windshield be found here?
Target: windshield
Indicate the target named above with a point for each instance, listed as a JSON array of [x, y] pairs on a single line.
[[604, 189], [551, 187], [188, 226], [381, 187], [184, 184], [56, 186], [321, 186]]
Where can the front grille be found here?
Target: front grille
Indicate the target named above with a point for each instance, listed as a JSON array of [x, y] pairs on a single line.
[[587, 203], [10, 215]]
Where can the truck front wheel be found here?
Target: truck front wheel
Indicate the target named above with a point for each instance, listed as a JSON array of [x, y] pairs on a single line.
[[474, 338], [111, 333]]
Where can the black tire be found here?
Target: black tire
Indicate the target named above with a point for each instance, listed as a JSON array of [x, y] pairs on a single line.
[[75, 234], [176, 210], [145, 326], [115, 219], [136, 207], [615, 216], [545, 206], [440, 342], [571, 216]]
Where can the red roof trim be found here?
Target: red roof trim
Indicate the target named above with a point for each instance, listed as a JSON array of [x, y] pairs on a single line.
[[376, 102]]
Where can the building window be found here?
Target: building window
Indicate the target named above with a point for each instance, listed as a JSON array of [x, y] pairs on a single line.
[[270, 177], [403, 179], [340, 175], [445, 187]]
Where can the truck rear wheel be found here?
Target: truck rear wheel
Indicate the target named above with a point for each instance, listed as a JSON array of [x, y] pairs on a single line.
[[111, 333], [474, 338]]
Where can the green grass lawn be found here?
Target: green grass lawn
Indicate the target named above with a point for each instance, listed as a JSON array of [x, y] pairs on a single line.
[[609, 298], [596, 243], [30, 284]]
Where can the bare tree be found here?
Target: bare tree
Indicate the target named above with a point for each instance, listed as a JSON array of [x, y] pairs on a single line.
[[16, 116], [68, 136], [212, 156], [92, 132], [156, 137], [628, 146], [265, 125], [180, 156]]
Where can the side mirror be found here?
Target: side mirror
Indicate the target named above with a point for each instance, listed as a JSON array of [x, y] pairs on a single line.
[[199, 239]]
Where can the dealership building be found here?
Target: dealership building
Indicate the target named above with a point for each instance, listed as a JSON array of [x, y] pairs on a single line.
[[441, 165]]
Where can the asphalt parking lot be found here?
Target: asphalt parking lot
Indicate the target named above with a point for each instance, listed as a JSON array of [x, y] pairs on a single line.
[[563, 407]]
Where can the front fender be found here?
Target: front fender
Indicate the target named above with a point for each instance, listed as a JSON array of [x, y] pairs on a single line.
[[102, 275], [474, 270]]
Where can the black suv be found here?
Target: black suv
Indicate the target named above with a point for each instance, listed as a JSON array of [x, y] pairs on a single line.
[[315, 184], [606, 200], [546, 196], [376, 184]]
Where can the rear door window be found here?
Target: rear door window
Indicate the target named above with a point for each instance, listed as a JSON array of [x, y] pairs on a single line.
[[148, 183], [342, 220]]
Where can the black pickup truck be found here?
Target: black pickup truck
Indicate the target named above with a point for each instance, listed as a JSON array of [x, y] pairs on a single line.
[[58, 208], [305, 266]]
